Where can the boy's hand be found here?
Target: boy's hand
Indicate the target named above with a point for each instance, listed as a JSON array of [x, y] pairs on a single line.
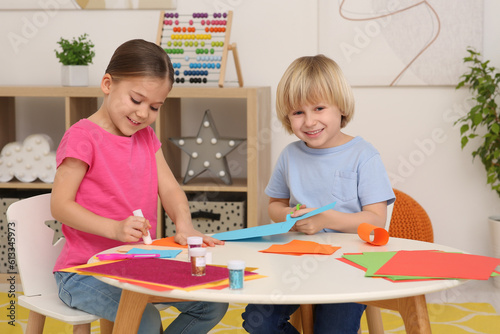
[[132, 229], [295, 210], [310, 225]]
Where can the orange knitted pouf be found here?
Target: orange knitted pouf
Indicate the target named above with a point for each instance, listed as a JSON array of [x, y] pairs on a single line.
[[409, 220]]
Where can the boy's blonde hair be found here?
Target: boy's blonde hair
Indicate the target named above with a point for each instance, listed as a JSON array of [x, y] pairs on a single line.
[[313, 79]]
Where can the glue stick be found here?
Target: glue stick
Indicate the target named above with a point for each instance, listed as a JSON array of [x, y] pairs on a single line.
[[146, 238]]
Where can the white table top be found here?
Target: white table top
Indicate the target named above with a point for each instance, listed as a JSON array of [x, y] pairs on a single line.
[[306, 279]]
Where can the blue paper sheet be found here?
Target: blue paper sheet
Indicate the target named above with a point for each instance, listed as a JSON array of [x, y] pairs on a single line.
[[270, 229], [164, 254]]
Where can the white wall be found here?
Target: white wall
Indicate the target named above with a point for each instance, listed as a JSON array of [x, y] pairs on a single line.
[[411, 126]]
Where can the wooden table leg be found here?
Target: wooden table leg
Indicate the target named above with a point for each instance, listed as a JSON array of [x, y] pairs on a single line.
[[374, 320], [307, 315], [413, 310], [130, 310]]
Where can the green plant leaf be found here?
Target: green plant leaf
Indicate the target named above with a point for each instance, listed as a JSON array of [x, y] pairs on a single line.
[[465, 140], [478, 118], [495, 128], [75, 52], [483, 118]]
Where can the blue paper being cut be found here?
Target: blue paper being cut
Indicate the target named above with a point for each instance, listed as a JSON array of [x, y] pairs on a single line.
[[270, 229]]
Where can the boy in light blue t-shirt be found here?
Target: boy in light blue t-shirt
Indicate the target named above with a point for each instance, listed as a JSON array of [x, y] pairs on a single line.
[[314, 102]]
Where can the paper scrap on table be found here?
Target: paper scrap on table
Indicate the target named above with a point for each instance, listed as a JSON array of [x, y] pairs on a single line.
[[380, 235], [300, 247], [269, 229], [164, 254]]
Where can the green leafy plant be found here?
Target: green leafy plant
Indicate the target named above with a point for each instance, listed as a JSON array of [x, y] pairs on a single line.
[[483, 119], [78, 51]]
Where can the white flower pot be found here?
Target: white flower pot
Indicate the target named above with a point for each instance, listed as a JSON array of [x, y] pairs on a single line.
[[75, 75], [494, 223]]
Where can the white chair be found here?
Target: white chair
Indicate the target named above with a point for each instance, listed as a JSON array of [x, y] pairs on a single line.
[[36, 257]]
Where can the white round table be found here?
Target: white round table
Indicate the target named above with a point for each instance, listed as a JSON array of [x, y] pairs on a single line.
[[306, 279]]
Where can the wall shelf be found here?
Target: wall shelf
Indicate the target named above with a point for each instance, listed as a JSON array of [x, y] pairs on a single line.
[[81, 102]]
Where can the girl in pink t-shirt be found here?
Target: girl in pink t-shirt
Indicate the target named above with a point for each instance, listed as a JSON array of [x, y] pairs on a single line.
[[111, 164]]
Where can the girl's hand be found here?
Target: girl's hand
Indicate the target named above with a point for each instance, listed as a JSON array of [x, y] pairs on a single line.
[[181, 238], [132, 229]]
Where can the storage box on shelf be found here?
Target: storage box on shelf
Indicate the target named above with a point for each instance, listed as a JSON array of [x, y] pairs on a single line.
[[213, 215], [81, 102]]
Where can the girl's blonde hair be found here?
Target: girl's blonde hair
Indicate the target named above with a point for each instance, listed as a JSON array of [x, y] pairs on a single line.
[[313, 79]]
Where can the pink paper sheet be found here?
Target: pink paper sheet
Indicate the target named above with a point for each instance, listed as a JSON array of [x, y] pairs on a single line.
[[160, 271]]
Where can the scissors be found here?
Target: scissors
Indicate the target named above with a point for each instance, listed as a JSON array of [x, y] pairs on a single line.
[[116, 256]]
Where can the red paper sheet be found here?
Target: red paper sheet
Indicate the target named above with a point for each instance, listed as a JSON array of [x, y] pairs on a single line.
[[160, 271], [440, 264]]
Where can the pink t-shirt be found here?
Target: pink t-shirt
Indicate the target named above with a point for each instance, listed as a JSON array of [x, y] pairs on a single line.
[[121, 177]]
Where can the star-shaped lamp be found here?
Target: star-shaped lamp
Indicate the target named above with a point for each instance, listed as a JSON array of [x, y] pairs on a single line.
[[207, 151]]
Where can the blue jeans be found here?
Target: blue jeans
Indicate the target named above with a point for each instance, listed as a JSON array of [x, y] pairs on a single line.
[[328, 318], [88, 294]]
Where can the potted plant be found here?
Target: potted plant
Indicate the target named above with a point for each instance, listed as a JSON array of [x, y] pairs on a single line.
[[482, 123], [75, 56]]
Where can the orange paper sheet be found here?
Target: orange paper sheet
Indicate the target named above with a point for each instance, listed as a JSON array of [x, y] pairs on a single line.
[[380, 235], [168, 241], [300, 247]]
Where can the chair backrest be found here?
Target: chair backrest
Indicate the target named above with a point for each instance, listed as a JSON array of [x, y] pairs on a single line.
[[409, 219], [35, 253]]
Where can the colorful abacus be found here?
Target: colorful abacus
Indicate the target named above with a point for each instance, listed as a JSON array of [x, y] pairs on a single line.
[[198, 44]]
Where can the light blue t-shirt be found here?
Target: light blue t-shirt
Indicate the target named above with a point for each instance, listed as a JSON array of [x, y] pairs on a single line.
[[352, 174]]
